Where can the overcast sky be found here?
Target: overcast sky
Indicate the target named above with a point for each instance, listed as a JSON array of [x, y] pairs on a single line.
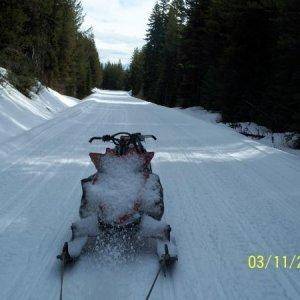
[[119, 26]]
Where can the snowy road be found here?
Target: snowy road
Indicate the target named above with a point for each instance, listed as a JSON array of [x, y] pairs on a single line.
[[226, 197]]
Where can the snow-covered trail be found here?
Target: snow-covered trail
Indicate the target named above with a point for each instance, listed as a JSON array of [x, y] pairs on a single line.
[[226, 198]]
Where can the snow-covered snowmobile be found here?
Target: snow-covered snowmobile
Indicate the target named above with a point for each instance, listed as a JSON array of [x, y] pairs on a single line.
[[123, 194]]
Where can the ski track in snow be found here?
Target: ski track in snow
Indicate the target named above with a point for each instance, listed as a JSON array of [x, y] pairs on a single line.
[[226, 197]]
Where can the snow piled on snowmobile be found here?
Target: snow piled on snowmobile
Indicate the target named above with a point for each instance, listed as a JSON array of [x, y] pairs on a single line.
[[121, 187], [115, 193]]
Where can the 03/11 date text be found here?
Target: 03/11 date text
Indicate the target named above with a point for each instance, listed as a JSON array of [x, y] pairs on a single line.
[[274, 261]]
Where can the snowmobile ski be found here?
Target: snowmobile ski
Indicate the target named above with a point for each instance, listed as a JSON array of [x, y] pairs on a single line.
[[165, 262], [65, 260]]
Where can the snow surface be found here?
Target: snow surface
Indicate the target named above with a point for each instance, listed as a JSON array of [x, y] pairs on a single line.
[[19, 113], [226, 197]]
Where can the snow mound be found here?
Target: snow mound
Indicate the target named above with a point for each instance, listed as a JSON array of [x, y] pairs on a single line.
[[111, 93], [285, 141], [19, 113], [55, 101], [202, 114]]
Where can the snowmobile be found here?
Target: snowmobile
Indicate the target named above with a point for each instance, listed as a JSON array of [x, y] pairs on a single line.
[[123, 195]]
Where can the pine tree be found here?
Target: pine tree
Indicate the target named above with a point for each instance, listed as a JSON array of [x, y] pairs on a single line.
[[247, 62], [164, 8], [153, 54], [180, 8], [136, 71], [196, 55], [170, 76]]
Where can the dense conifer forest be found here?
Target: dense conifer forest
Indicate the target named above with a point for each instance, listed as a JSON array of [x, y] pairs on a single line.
[[240, 58], [115, 77], [42, 39]]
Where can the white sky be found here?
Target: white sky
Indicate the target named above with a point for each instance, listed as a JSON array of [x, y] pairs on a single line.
[[119, 26]]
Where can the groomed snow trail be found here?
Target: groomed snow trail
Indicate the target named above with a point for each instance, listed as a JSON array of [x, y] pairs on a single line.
[[226, 197]]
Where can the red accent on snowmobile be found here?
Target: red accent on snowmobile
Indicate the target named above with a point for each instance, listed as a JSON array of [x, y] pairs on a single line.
[[122, 219], [95, 178], [95, 158], [137, 206], [148, 157]]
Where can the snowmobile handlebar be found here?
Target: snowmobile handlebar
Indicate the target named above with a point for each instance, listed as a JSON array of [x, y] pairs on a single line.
[[125, 136]]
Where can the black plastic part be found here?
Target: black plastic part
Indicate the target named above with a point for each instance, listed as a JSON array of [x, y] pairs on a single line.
[[65, 256], [166, 261], [94, 138]]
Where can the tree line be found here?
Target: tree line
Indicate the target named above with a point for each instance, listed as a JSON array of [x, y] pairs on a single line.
[[240, 58], [42, 39], [115, 76]]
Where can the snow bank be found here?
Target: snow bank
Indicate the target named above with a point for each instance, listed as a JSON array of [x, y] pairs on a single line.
[[202, 114], [111, 93], [19, 113], [55, 101], [283, 141]]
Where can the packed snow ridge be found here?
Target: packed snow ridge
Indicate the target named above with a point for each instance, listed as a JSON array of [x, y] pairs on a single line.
[[19, 113]]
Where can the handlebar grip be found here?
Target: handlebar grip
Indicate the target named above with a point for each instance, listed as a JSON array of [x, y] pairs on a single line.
[[94, 138], [150, 136], [105, 138]]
